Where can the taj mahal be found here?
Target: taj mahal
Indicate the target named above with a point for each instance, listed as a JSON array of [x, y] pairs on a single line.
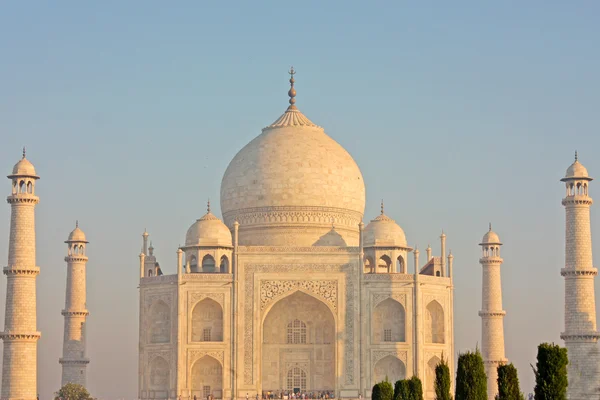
[[290, 291]]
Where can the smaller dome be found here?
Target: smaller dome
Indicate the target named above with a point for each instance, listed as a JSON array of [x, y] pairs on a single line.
[[384, 231], [208, 231], [76, 235], [23, 168], [576, 171], [490, 237]]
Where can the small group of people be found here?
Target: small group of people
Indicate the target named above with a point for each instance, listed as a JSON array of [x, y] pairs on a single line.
[[301, 395]]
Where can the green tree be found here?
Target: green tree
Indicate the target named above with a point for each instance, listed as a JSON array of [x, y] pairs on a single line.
[[551, 372], [376, 392], [383, 391], [72, 391], [508, 383], [401, 390], [471, 382], [442, 381], [387, 391], [415, 388]]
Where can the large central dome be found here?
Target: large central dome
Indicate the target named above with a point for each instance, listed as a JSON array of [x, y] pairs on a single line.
[[292, 185]]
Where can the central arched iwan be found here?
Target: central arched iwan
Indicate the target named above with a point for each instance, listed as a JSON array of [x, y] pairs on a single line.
[[298, 335]]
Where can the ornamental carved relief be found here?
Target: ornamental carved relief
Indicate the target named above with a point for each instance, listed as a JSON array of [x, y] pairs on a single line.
[[251, 269], [152, 298], [379, 297], [389, 277], [197, 297], [293, 215], [195, 355], [165, 354], [272, 290], [296, 249], [379, 354], [428, 298]]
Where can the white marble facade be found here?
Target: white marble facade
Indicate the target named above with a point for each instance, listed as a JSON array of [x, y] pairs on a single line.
[[290, 292]]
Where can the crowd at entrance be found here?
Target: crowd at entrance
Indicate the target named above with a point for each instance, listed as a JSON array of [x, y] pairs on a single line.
[[297, 394]]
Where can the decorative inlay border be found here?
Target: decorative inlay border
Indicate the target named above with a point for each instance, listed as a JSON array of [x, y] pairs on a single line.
[[197, 297], [151, 298], [271, 290], [389, 277], [251, 269], [379, 354], [379, 297], [297, 215], [165, 354], [293, 249], [217, 277], [195, 355]]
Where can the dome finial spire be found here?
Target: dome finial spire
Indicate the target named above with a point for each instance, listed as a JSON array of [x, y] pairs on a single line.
[[292, 91], [575, 155], [208, 206], [490, 226], [381, 206], [76, 223], [23, 151]]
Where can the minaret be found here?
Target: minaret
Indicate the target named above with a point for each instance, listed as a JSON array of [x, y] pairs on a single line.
[[580, 333], [492, 315], [19, 368], [73, 360]]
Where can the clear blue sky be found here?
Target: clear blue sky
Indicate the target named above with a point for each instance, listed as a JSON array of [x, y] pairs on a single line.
[[458, 113]]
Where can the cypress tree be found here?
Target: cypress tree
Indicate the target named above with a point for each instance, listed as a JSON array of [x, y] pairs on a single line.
[[442, 381], [376, 392], [471, 381], [551, 372], [401, 390], [386, 389], [508, 383], [415, 388]]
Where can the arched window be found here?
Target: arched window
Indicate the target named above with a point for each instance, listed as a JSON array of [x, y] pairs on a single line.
[[434, 323], [437, 273], [296, 379], [224, 267], [159, 376], [22, 187], [389, 322], [207, 378], [430, 374], [384, 264], [29, 187], [208, 264], [296, 332], [149, 272], [389, 367], [368, 265], [159, 319], [207, 321], [400, 266], [193, 264]]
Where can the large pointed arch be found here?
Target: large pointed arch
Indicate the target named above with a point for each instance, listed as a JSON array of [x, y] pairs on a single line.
[[299, 330], [434, 323], [389, 322], [159, 378], [207, 321], [207, 378], [159, 321], [389, 367]]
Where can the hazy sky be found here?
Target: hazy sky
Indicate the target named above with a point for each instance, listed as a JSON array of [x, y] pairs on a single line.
[[458, 113]]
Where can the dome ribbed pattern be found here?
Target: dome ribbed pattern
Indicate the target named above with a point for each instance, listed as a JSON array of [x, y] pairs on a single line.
[[292, 117]]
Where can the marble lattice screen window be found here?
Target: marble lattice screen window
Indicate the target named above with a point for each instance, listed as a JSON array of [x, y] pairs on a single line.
[[296, 332], [206, 391], [387, 335], [206, 335]]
